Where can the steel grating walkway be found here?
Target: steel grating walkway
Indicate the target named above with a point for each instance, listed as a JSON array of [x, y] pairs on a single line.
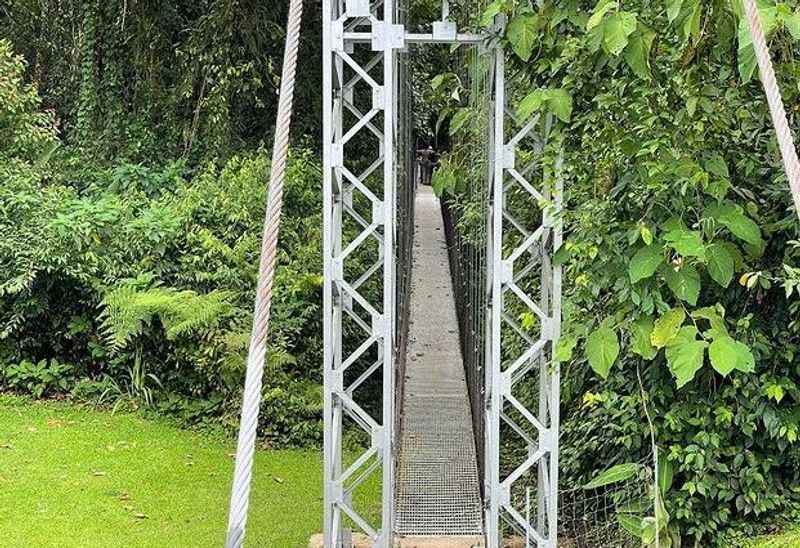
[[437, 475]]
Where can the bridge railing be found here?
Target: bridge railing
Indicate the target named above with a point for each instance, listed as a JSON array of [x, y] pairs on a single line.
[[468, 272], [405, 186]]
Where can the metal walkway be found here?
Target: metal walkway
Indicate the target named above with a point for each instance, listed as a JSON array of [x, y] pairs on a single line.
[[437, 474]]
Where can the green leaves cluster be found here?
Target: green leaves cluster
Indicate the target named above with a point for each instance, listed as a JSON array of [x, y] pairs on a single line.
[[685, 346], [679, 252], [619, 32], [680, 255], [774, 17], [449, 178], [127, 310], [27, 134], [554, 100]]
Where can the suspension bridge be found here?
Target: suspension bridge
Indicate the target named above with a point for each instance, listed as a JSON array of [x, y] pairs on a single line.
[[439, 383]]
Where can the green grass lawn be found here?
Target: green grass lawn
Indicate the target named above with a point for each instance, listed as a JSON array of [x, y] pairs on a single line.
[[789, 539], [75, 477]]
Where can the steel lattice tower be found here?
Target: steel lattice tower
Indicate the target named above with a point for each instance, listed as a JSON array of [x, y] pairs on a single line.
[[363, 48]]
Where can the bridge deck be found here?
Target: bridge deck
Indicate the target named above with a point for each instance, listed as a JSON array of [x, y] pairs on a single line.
[[437, 474]]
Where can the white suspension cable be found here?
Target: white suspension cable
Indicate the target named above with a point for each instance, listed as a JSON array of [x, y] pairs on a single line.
[[240, 492], [776, 110]]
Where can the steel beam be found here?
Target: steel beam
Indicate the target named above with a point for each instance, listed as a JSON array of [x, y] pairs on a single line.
[[512, 258], [347, 63], [421, 38], [354, 26]]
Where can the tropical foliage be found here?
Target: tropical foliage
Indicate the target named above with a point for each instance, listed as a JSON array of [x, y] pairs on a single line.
[[132, 190], [681, 252], [136, 280]]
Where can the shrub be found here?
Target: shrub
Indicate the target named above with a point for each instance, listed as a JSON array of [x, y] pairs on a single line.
[[160, 266], [43, 378], [26, 133]]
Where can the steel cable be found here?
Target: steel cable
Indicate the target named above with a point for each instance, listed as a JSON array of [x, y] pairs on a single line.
[[240, 492], [776, 110]]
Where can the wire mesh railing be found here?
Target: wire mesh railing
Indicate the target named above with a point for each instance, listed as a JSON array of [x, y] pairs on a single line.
[[468, 272], [405, 186], [610, 514], [465, 214]]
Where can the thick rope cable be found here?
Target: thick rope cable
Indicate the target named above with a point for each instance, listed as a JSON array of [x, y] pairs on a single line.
[[240, 492], [776, 110]]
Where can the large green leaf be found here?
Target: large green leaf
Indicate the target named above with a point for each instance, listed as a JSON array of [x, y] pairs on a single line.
[[602, 349], [685, 355], [560, 103], [600, 11], [792, 23], [443, 180], [686, 334], [720, 264], [665, 473], [735, 252], [645, 262], [685, 361], [615, 474], [632, 524], [686, 242], [673, 223], [746, 55], [555, 100], [716, 165], [492, 10], [637, 54], [531, 103], [714, 315], [648, 531], [745, 363], [673, 9], [723, 354], [521, 32], [616, 30], [566, 344], [636, 505], [691, 25], [667, 327], [733, 218], [684, 283], [641, 331], [459, 119]]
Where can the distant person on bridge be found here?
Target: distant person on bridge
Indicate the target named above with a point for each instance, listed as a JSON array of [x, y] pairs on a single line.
[[427, 159]]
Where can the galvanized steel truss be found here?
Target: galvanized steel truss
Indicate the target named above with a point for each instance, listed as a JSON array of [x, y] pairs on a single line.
[[358, 86], [525, 230], [362, 41]]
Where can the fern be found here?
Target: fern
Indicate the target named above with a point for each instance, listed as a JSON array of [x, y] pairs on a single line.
[[128, 310], [237, 344]]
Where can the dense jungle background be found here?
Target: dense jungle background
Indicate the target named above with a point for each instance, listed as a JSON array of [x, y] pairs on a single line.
[[134, 157]]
